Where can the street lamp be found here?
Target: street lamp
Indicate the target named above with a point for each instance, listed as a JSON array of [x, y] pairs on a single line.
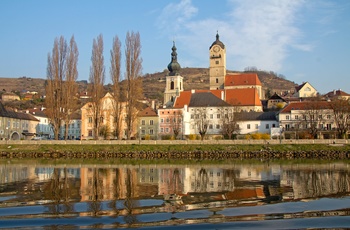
[[8, 133]]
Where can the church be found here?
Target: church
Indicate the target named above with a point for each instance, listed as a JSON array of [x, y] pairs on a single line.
[[240, 90]]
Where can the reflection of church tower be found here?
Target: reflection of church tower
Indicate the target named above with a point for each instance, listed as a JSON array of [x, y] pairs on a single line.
[[174, 82], [217, 64]]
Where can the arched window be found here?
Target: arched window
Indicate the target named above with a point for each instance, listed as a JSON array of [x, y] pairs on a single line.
[[172, 85]]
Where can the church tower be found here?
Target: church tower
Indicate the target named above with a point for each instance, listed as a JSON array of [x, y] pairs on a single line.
[[174, 82], [217, 64]]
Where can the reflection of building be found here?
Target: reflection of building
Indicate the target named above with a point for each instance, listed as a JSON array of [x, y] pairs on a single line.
[[171, 181], [209, 180]]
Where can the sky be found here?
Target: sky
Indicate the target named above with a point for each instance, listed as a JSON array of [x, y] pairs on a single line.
[[305, 41]]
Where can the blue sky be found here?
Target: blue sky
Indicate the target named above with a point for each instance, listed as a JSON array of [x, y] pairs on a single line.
[[303, 40]]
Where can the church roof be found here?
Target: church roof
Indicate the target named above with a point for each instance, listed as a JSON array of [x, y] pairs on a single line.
[[242, 97], [206, 99], [174, 67], [242, 79]]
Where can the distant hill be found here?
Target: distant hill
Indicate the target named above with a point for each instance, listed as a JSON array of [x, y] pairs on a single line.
[[198, 78], [154, 84]]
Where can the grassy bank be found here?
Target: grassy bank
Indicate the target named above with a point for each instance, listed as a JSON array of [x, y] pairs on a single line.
[[166, 148]]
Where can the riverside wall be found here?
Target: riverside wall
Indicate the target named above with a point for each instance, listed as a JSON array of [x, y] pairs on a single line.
[[177, 142]]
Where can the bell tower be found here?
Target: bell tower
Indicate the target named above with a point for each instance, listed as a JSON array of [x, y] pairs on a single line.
[[217, 64], [174, 81]]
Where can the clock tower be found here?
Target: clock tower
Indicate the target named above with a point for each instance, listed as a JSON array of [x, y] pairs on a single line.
[[217, 64], [174, 81]]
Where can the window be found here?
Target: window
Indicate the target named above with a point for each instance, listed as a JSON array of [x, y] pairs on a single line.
[[218, 116], [217, 62], [320, 117], [211, 116], [151, 131], [256, 126], [328, 116], [192, 116], [296, 117], [210, 126], [248, 126], [142, 122], [150, 122], [172, 84], [167, 120], [287, 117], [143, 132], [166, 130], [217, 126], [161, 130], [101, 119], [89, 119], [162, 120], [90, 133], [267, 126]]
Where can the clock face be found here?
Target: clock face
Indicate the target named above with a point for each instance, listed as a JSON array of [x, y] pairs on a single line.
[[216, 49]]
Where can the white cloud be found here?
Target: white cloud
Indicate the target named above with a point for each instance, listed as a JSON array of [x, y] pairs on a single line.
[[256, 33]]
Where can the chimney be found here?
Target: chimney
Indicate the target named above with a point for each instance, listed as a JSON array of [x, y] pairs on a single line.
[[222, 95], [193, 90], [185, 108], [153, 105]]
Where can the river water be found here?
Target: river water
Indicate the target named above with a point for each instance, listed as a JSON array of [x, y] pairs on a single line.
[[241, 195]]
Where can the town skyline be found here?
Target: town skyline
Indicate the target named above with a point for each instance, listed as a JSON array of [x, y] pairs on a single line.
[[301, 40]]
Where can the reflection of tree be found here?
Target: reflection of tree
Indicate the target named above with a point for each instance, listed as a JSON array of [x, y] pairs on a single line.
[[60, 192], [95, 203], [202, 180], [129, 202], [116, 189], [177, 181]]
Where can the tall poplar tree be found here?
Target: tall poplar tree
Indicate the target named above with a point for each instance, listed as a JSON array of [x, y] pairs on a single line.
[[97, 78], [133, 66]]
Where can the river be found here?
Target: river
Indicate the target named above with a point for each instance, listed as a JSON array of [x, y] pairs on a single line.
[[241, 195]]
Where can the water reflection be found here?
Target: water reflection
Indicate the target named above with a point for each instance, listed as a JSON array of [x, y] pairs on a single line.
[[148, 195]]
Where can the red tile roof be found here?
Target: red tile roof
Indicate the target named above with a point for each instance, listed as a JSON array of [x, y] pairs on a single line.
[[243, 97], [306, 105], [148, 112], [242, 79]]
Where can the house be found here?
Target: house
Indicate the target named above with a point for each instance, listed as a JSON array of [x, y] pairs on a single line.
[[305, 90], [148, 123], [44, 127], [337, 94], [256, 122], [308, 119], [16, 125], [275, 102], [74, 127], [107, 120], [10, 97]]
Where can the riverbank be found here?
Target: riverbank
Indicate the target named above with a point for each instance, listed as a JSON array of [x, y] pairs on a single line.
[[218, 152]]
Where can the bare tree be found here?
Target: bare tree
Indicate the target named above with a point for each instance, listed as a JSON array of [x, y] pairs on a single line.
[[97, 77], [176, 122], [341, 110], [134, 83], [56, 70], [201, 120], [229, 120], [70, 88], [117, 94], [313, 116]]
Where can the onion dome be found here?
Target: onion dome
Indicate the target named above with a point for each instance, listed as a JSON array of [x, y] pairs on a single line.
[[218, 42], [174, 67]]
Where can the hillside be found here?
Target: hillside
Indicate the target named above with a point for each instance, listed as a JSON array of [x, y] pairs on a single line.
[[153, 84]]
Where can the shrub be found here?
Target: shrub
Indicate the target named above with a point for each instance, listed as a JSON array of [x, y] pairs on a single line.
[[166, 137], [147, 137], [265, 136], [194, 137]]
